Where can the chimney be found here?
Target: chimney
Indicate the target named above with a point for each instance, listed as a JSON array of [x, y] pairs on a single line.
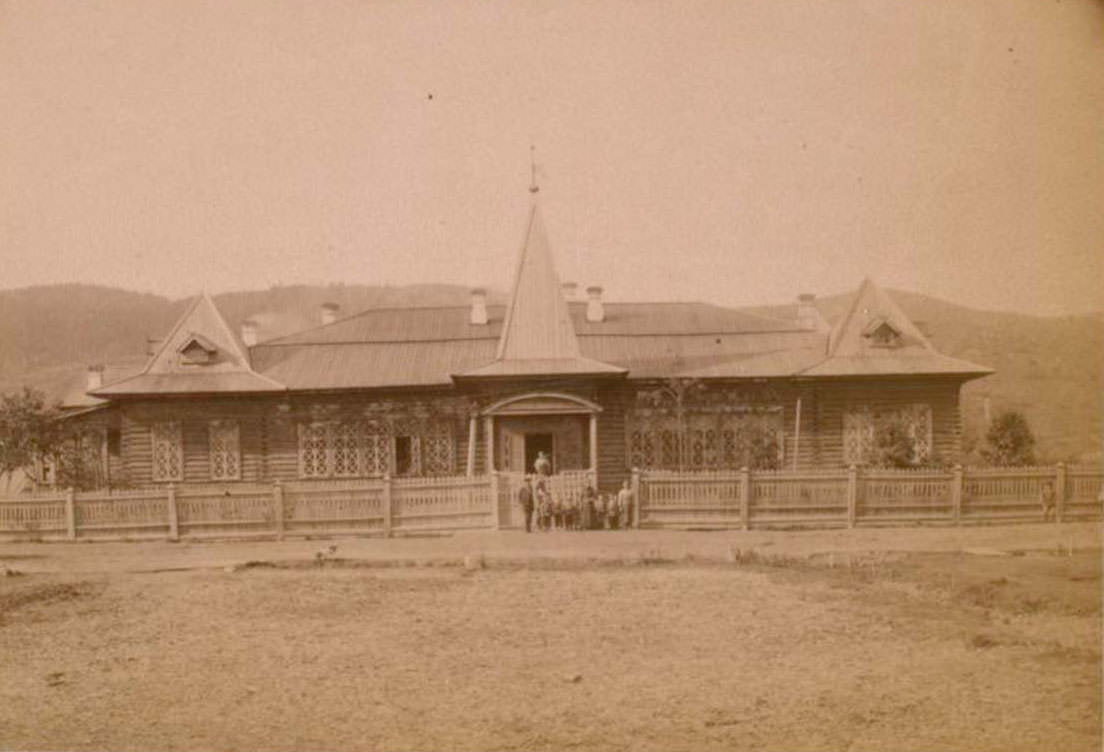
[[570, 291], [808, 317], [249, 332], [478, 306], [329, 313], [595, 311], [95, 377]]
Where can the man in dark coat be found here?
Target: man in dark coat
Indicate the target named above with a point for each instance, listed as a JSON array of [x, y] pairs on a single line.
[[525, 498]]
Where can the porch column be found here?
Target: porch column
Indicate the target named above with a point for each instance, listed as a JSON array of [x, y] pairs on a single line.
[[488, 429], [473, 427], [594, 446]]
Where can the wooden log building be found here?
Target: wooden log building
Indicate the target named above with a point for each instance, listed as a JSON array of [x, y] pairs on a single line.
[[469, 389]]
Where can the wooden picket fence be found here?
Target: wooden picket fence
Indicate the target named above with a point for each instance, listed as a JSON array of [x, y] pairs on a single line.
[[713, 499], [863, 497], [383, 506]]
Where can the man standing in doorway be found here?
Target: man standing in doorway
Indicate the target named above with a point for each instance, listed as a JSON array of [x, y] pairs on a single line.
[[543, 465], [525, 498]]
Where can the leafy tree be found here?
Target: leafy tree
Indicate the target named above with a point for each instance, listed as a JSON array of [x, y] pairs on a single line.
[[28, 430], [1009, 441], [31, 430], [893, 445], [763, 449]]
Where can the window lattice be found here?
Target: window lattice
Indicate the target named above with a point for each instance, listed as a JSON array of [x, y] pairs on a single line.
[[168, 455], [354, 449], [861, 426], [313, 453], [703, 441], [225, 450], [345, 448], [374, 454], [437, 454]]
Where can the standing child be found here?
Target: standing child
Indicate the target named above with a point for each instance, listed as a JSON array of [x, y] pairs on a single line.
[[599, 511], [613, 512], [625, 501], [1046, 497]]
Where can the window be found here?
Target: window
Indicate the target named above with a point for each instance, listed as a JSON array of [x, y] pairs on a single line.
[[881, 333], [225, 452], [197, 351], [341, 450], [314, 457], [168, 454], [704, 441], [862, 427]]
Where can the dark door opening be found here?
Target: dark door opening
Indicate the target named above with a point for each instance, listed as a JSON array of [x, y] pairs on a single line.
[[404, 455], [539, 442]]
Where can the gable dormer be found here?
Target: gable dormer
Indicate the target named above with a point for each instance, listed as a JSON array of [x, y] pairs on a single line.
[[197, 350], [881, 333]]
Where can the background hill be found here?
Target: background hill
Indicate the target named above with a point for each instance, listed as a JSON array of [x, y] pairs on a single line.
[[1050, 368]]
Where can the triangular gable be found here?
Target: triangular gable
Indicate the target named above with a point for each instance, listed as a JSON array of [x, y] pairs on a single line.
[[204, 323], [870, 309], [167, 372], [853, 351], [538, 336]]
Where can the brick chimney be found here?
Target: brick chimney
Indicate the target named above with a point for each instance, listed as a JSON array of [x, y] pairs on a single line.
[[808, 317], [595, 311], [95, 377], [249, 332], [478, 315], [329, 313]]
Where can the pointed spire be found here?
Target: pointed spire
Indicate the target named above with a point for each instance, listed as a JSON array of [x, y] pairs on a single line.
[[533, 187], [538, 336], [538, 324]]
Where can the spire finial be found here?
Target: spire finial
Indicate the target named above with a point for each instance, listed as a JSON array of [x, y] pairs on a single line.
[[533, 187]]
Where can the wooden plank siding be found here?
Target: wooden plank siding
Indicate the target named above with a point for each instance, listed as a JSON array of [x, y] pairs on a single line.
[[269, 439], [613, 461], [194, 416], [833, 399]]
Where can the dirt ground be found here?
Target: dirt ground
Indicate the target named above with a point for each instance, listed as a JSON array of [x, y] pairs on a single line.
[[753, 641]]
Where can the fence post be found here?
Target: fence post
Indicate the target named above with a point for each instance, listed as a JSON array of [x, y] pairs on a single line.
[[174, 521], [745, 497], [495, 500], [635, 483], [1059, 491], [852, 495], [278, 508], [70, 514], [956, 494], [387, 506]]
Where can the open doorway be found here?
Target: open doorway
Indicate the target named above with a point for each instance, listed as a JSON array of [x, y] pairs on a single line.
[[536, 443]]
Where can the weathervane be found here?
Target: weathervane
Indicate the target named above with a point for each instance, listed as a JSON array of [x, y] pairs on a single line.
[[533, 187]]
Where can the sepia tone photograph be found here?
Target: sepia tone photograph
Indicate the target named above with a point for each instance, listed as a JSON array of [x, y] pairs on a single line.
[[628, 375]]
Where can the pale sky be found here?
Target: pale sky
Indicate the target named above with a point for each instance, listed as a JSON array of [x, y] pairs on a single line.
[[738, 151]]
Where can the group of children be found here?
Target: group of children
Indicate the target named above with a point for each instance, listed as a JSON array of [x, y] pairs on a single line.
[[587, 511]]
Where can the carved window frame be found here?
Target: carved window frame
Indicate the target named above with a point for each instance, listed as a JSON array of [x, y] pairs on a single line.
[[224, 449], [167, 451]]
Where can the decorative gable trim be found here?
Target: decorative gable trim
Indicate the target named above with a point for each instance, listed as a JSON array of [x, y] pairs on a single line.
[[882, 333]]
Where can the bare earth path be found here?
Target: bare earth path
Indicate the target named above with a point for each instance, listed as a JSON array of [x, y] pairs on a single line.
[[868, 639]]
